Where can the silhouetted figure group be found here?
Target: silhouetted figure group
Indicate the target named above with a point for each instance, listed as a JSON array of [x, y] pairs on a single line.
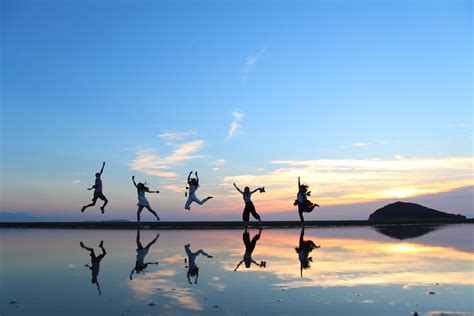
[[302, 201], [304, 249]]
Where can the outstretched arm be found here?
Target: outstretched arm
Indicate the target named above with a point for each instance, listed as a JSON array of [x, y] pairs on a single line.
[[102, 170], [200, 251], [134, 183], [238, 189], [257, 189], [242, 261]]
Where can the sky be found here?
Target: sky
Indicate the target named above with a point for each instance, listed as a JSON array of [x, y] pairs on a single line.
[[370, 102]]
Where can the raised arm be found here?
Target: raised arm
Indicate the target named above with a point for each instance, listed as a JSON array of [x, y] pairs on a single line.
[[238, 189], [189, 176], [299, 184], [197, 178], [102, 170], [134, 183]]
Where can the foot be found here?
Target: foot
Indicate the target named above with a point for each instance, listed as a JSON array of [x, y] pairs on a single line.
[[157, 218], [209, 197], [102, 209], [101, 244], [187, 208], [316, 204], [83, 209], [209, 256], [82, 244], [259, 220]]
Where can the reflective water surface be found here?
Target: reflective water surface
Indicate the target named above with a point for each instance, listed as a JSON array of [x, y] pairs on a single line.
[[329, 271]]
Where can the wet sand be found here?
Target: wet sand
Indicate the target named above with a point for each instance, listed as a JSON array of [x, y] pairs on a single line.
[[223, 224]]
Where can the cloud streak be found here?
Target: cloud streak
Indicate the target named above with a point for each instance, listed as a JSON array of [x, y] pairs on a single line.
[[251, 62], [236, 124], [148, 162], [346, 181]]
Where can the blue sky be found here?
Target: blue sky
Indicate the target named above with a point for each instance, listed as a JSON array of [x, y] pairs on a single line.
[[237, 86]]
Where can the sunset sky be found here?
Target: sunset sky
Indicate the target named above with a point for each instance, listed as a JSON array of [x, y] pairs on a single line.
[[369, 102]]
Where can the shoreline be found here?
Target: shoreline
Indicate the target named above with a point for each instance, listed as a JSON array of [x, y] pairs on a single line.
[[226, 224]]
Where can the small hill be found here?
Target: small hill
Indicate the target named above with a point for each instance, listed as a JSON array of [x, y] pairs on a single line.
[[403, 210]]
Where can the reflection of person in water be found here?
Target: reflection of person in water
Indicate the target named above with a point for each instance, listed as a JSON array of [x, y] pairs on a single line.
[[304, 249], [249, 248], [95, 263], [193, 269], [140, 265], [304, 205]]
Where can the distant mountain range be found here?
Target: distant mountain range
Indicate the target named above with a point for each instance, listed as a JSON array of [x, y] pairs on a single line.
[[404, 210]]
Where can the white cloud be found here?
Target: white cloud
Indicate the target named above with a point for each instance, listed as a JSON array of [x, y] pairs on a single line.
[[219, 162], [251, 62], [216, 169], [174, 136], [147, 162], [76, 181], [360, 144], [235, 125]]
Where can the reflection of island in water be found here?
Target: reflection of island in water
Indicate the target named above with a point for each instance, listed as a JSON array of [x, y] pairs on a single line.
[[402, 232]]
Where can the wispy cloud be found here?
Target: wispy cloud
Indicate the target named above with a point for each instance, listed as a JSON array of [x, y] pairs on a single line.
[[219, 162], [345, 181], [360, 144], [76, 181], [148, 162], [251, 62], [174, 136], [235, 125]]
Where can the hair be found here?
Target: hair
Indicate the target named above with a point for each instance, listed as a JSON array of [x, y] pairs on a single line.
[[304, 187], [97, 174], [194, 181], [142, 186], [247, 263], [247, 191]]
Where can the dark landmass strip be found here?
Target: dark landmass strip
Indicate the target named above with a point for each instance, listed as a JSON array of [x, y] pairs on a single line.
[[403, 210], [223, 224]]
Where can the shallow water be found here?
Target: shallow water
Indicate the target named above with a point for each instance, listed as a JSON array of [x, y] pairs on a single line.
[[357, 271]]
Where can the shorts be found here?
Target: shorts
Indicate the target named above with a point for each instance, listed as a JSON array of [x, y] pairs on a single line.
[[99, 195]]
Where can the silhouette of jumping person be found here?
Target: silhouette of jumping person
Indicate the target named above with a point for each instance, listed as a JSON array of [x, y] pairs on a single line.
[[97, 192], [304, 205], [193, 185], [249, 207], [249, 248], [140, 265], [142, 201], [95, 263], [303, 250], [193, 269]]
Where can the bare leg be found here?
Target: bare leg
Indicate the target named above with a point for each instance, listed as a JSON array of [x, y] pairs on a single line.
[[103, 206], [88, 205], [153, 212], [140, 208]]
